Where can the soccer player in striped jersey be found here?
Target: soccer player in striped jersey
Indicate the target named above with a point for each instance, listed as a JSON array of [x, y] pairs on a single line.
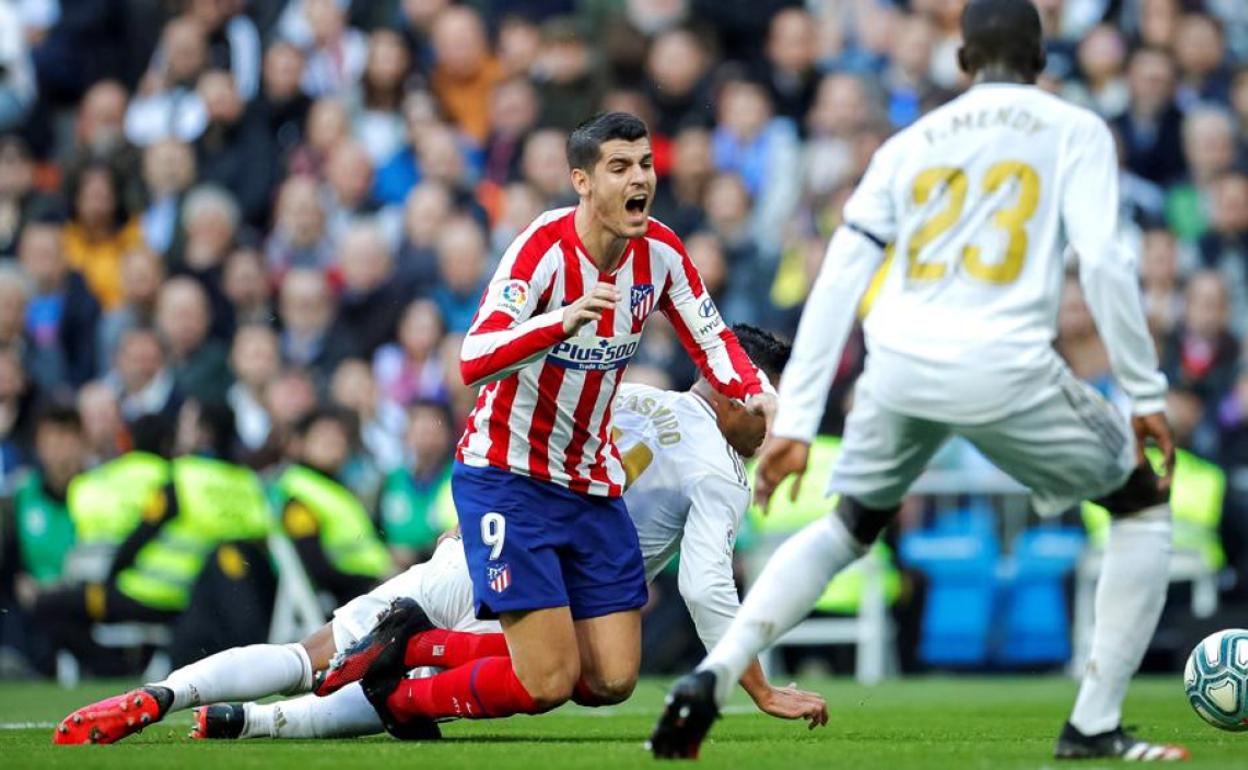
[[537, 483], [683, 455]]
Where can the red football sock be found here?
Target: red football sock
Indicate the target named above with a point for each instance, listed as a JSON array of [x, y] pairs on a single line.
[[451, 649], [483, 689]]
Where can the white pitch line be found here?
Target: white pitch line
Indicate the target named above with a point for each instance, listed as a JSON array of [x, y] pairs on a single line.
[[27, 725]]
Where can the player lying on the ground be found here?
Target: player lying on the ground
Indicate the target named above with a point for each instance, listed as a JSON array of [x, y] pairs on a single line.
[[978, 199], [690, 498]]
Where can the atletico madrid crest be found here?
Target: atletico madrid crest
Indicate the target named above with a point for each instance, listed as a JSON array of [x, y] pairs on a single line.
[[642, 300], [499, 577]]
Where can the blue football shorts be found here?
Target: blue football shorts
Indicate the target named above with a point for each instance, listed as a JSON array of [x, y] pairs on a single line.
[[534, 544]]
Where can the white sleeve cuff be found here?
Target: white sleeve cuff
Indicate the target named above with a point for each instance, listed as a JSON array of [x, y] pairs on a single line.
[[1143, 406]]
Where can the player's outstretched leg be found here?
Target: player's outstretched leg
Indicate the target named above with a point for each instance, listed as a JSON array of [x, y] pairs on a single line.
[[345, 714], [240, 673], [793, 579], [1129, 599]]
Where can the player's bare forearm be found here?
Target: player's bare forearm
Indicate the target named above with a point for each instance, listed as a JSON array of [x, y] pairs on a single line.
[[784, 702], [754, 682]]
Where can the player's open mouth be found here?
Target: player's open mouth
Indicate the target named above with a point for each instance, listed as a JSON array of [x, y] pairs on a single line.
[[636, 204]]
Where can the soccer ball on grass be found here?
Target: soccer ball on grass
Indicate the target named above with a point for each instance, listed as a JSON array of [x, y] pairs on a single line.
[[1216, 679]]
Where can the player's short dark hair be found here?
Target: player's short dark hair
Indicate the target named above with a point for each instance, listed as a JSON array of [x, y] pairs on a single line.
[[766, 350], [586, 140], [1005, 33], [58, 415]]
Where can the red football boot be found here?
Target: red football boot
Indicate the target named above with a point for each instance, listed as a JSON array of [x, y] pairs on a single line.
[[380, 652], [112, 719]]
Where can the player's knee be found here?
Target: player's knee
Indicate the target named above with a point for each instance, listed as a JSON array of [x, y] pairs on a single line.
[[551, 686], [1139, 493], [865, 524], [604, 690], [550, 693]]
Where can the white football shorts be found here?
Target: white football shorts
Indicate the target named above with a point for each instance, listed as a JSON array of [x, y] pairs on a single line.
[[1071, 446]]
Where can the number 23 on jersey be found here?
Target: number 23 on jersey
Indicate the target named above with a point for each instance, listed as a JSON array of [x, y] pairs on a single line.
[[1011, 217]]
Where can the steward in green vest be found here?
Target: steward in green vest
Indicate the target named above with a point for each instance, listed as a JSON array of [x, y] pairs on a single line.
[[416, 504], [785, 516], [37, 527], [202, 503], [107, 502], [106, 507], [333, 534], [207, 503]]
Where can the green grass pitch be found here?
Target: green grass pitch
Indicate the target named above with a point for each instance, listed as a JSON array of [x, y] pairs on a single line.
[[994, 724]]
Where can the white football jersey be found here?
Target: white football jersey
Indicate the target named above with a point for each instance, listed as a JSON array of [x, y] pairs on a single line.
[[979, 200], [689, 496]]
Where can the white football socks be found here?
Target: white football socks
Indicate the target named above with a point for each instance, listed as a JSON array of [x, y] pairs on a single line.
[[241, 674], [1129, 598], [344, 714], [795, 576]]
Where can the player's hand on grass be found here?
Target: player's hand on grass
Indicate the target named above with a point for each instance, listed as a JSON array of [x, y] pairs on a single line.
[[762, 405], [792, 703], [779, 459], [1153, 427], [589, 307]]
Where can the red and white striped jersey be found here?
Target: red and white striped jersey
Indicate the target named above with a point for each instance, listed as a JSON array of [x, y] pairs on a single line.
[[545, 408]]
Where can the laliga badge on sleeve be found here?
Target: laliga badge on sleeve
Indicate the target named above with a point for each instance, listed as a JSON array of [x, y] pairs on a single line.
[[513, 296]]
